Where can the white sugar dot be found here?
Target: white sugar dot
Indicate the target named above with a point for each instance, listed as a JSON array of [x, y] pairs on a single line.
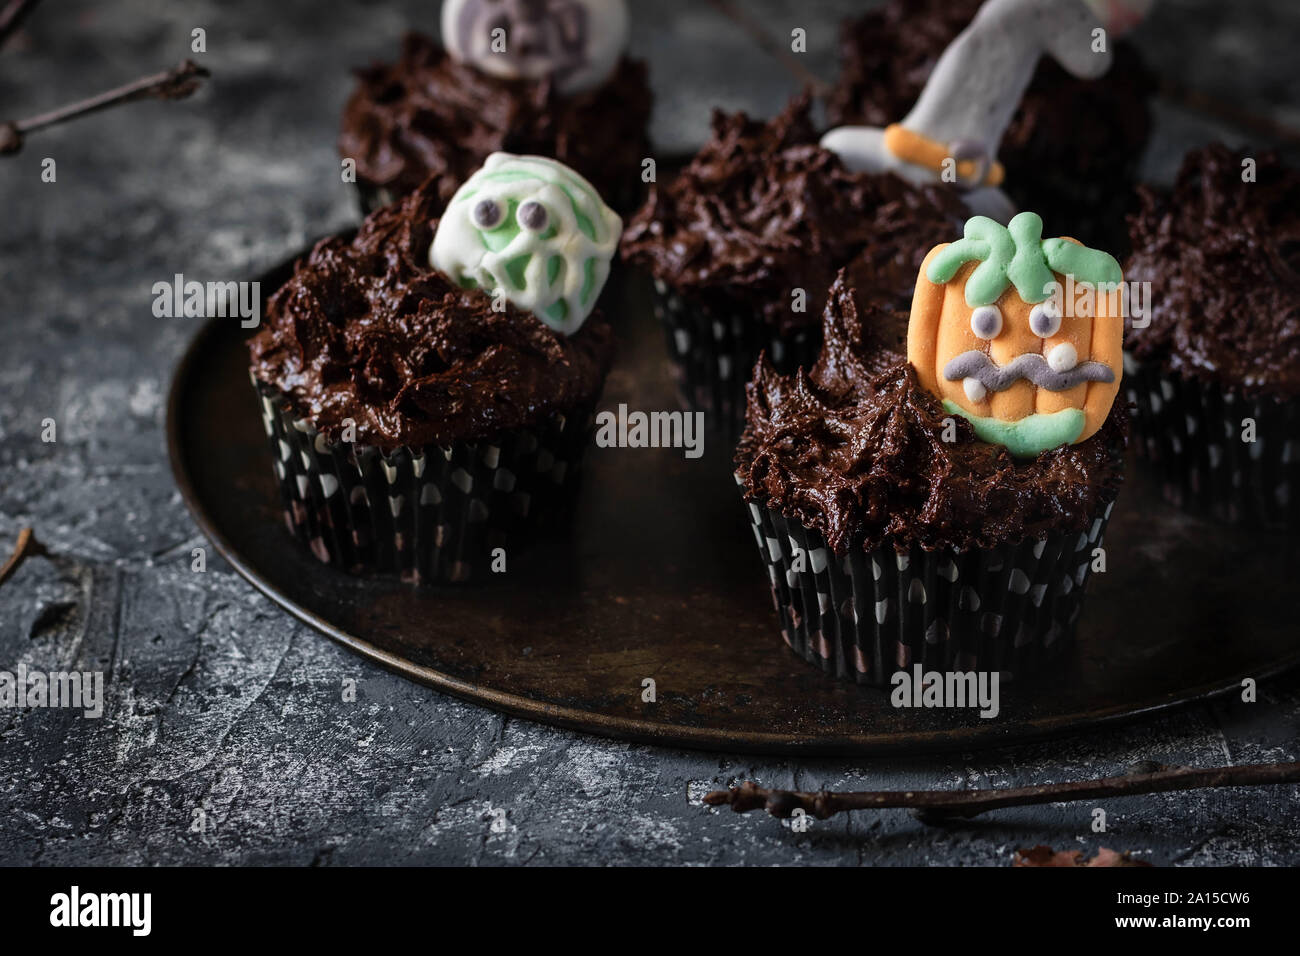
[[1063, 357]]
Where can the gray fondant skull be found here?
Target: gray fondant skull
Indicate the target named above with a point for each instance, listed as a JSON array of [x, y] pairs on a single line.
[[578, 42]]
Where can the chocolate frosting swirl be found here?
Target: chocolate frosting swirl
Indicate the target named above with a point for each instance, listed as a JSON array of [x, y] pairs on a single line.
[[762, 210], [1223, 260], [430, 115], [366, 329], [855, 449]]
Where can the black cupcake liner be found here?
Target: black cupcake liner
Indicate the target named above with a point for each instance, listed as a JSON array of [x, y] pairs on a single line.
[[865, 616], [430, 513], [713, 355], [1189, 433]]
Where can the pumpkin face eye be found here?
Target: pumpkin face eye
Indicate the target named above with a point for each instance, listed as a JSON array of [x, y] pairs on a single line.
[[986, 321], [1044, 320]]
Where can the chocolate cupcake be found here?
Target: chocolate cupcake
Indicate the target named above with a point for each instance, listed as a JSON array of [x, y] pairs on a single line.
[[544, 78], [428, 386], [913, 509], [1214, 369], [1073, 147], [743, 243]]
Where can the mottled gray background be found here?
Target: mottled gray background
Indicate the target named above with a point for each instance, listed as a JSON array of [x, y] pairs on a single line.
[[217, 699]]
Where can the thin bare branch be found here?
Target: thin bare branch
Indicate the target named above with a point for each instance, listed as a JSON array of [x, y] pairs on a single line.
[[174, 84], [967, 803]]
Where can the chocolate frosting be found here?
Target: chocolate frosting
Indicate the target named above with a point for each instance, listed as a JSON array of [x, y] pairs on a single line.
[[1223, 260], [430, 115], [762, 210], [855, 449], [366, 329], [1073, 147]]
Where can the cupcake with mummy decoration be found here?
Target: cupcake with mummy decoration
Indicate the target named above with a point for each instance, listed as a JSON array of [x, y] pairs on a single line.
[[1214, 368], [545, 77], [744, 242], [939, 496], [1018, 91], [428, 387]]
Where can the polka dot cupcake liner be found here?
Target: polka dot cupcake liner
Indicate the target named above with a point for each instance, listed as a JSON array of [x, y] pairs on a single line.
[[1191, 436], [427, 514], [865, 616], [713, 355]]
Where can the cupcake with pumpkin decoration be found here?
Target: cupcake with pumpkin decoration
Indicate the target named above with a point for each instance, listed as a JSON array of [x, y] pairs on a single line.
[[549, 78], [1214, 368], [942, 503], [428, 387]]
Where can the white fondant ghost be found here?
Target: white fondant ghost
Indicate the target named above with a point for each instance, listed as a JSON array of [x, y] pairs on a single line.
[[578, 42], [976, 86], [535, 230]]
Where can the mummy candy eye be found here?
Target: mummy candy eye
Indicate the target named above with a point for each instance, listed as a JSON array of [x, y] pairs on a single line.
[[986, 321], [532, 216], [1044, 320], [487, 214]]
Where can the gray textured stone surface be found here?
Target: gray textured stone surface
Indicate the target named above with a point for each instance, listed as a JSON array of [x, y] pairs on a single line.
[[216, 700]]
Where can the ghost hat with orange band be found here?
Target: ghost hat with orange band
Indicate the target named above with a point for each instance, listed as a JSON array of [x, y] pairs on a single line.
[[973, 161]]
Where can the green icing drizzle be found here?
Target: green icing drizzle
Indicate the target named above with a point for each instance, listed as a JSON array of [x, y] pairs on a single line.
[[553, 267], [515, 269], [1028, 436], [584, 223], [559, 310], [1017, 254], [588, 280], [505, 232]]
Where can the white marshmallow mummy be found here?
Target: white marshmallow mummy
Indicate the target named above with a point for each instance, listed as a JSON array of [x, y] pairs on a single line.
[[535, 230]]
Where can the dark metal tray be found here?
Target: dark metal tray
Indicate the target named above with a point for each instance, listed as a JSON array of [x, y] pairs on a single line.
[[659, 578]]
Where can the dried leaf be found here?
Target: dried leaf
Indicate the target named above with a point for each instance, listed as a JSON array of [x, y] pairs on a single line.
[[1046, 856]]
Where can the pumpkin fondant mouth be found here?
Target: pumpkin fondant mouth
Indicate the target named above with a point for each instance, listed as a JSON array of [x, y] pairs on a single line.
[[1028, 436], [1030, 366]]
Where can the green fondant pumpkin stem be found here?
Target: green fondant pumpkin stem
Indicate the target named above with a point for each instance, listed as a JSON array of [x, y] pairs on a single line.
[[1017, 255]]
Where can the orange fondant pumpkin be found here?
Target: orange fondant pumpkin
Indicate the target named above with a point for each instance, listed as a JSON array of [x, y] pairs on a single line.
[[1019, 335]]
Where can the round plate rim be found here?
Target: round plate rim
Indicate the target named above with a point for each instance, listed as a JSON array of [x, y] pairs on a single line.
[[645, 731]]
